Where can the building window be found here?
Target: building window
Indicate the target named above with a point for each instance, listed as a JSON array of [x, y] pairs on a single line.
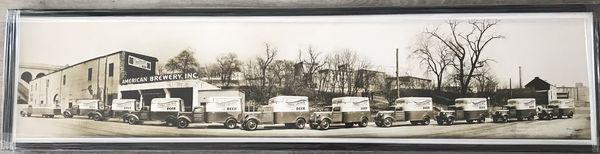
[[111, 68], [64, 79], [89, 74], [130, 61]]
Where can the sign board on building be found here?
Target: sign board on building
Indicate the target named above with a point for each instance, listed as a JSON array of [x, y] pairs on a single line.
[[139, 63], [160, 78], [562, 95]]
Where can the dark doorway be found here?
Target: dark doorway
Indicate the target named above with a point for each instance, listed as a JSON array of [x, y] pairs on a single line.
[[148, 95], [184, 93]]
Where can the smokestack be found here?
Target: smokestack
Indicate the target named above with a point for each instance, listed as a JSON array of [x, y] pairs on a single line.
[[520, 82], [397, 78]]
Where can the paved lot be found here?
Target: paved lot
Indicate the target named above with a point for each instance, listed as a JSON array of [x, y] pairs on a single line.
[[575, 128]]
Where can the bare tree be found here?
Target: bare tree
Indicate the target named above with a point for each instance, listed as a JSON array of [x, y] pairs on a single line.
[[313, 63], [486, 81], [228, 64], [264, 62], [467, 48], [435, 56]]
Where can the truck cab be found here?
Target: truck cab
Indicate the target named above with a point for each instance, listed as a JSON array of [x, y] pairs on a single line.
[[344, 110], [417, 110], [160, 109], [225, 110]]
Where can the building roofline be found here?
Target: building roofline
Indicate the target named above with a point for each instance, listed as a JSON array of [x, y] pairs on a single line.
[[110, 54]]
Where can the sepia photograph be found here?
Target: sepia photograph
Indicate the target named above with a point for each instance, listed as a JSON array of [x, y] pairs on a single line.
[[390, 76]]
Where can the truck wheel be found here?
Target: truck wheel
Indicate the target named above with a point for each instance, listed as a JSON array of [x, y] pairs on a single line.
[[440, 121], [96, 117], [387, 122], [28, 114], [313, 126], [349, 125], [364, 122], [132, 120], [426, 121], [560, 116], [469, 121], [450, 121], [505, 119], [251, 125], [230, 124], [325, 124], [481, 120], [300, 124], [23, 114], [570, 115], [494, 119], [182, 123]]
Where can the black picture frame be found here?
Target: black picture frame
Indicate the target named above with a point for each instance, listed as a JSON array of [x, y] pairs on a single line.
[[11, 57]]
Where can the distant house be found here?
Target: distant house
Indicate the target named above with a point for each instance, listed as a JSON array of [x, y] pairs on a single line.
[[542, 90], [410, 82]]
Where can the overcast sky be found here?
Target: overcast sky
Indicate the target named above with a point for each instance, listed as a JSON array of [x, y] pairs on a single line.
[[551, 46]]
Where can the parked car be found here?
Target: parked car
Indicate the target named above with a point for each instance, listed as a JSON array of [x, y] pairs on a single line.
[[46, 112], [521, 108], [160, 109], [84, 108], [292, 111], [344, 110], [468, 109], [224, 110], [417, 110]]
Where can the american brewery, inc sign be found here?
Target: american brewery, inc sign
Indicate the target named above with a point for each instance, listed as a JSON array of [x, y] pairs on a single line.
[[160, 78]]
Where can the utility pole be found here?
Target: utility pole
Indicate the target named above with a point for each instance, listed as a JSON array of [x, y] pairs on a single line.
[[510, 86], [520, 83], [397, 77]]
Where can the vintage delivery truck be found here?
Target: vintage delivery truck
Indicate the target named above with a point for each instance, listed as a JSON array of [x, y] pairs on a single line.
[[120, 108], [160, 109], [46, 112], [557, 108], [520, 108], [343, 110], [225, 110], [469, 109], [84, 108], [292, 111], [417, 110]]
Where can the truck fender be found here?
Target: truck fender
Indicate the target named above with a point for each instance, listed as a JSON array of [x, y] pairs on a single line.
[[133, 115], [301, 117], [184, 117], [426, 117], [323, 119], [251, 117], [231, 117], [388, 116]]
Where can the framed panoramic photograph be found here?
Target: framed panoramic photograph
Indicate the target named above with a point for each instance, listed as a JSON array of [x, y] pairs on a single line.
[[368, 79]]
